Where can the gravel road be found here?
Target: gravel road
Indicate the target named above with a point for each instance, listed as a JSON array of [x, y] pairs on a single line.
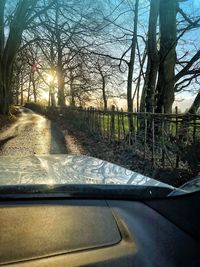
[[32, 134]]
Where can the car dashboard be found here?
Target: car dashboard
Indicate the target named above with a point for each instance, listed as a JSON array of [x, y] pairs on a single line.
[[99, 232]]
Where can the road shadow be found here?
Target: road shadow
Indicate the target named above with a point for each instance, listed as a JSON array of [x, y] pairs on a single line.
[[58, 145]]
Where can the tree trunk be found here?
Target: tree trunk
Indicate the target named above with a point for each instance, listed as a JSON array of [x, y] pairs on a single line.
[[132, 60], [22, 96], [3, 105], [5, 94], [168, 36], [16, 85], [195, 105], [29, 88], [2, 37], [52, 97], [72, 102], [71, 87], [152, 56], [34, 87], [104, 94], [142, 62], [17, 94], [144, 89], [4, 99], [9, 51], [52, 80], [60, 78], [103, 88], [131, 66], [21, 91], [52, 93]]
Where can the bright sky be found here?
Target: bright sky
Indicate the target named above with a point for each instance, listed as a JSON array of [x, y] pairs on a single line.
[[191, 42]]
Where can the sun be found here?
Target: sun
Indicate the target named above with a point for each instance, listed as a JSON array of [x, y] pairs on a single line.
[[50, 78], [45, 95]]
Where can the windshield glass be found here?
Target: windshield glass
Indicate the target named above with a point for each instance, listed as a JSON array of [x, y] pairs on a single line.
[[100, 93]]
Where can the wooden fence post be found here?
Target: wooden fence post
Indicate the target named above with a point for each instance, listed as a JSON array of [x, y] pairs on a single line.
[[177, 156], [153, 138], [108, 126], [112, 124], [94, 120], [103, 122], [123, 127], [194, 130], [99, 122], [163, 137], [135, 116], [118, 125], [91, 119]]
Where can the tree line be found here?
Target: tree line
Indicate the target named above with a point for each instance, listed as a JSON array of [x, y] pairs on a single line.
[[144, 51]]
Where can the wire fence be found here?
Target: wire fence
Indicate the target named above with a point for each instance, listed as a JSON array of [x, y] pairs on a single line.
[[164, 139]]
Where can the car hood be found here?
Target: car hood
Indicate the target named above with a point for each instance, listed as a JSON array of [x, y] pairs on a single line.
[[68, 169]]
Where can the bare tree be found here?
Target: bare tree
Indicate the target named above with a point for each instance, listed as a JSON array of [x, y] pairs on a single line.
[[24, 14], [153, 57]]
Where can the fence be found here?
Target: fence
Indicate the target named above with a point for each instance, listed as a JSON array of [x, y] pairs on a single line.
[[164, 139]]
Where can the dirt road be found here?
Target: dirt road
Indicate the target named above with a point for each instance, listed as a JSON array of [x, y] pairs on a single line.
[[32, 134]]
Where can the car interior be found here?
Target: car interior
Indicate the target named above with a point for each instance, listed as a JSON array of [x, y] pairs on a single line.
[[67, 231]]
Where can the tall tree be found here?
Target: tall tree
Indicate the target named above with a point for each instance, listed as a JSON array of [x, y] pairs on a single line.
[[132, 61], [24, 14], [168, 40], [153, 57]]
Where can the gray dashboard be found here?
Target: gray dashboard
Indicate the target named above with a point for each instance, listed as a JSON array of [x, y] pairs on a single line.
[[60, 232]]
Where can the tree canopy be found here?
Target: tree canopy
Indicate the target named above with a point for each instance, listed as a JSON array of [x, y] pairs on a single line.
[[88, 52]]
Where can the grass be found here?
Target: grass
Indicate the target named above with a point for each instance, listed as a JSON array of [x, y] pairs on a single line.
[[105, 126]]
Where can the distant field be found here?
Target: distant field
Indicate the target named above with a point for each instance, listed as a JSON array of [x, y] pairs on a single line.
[[122, 125]]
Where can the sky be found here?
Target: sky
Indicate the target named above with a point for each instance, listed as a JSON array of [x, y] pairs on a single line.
[[192, 43]]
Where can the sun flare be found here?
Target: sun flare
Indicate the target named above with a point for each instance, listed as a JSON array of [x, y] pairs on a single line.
[[50, 78]]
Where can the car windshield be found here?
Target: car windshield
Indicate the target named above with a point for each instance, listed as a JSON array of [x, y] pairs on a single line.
[[101, 95]]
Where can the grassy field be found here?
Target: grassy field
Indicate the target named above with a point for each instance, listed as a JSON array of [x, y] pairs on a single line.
[[102, 122]]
